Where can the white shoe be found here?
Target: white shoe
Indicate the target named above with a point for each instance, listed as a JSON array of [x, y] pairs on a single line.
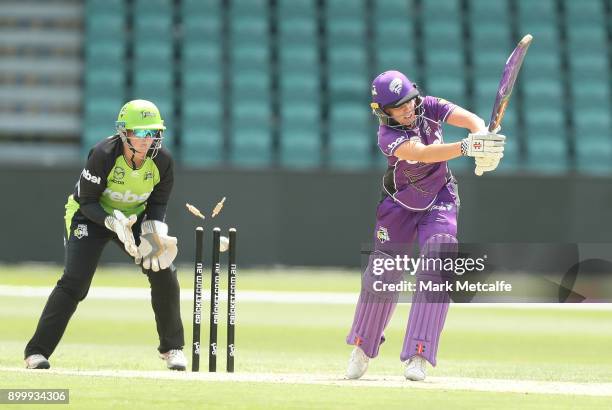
[[175, 359], [415, 368], [37, 361], [358, 364]]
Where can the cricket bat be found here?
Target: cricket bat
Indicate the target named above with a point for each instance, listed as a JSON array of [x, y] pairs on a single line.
[[506, 85], [504, 91]]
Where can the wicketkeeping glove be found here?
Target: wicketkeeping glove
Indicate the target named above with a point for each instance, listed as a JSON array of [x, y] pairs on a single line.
[[122, 226], [157, 250]]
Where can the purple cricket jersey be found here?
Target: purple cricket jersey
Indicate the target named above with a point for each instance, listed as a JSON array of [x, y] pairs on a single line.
[[415, 185]]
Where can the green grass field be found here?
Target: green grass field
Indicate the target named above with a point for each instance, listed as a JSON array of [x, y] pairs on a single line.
[[489, 343]]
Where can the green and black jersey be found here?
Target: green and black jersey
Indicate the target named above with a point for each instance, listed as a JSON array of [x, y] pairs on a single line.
[[107, 183]]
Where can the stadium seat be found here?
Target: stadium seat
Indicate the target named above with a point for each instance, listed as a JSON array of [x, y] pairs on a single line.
[[299, 59], [297, 8], [103, 84], [198, 56], [586, 39], [443, 36], [299, 87], [483, 10], [541, 12], [594, 155], [546, 140], [201, 146], [589, 13], [300, 149], [437, 10], [202, 27], [350, 137], [545, 33], [200, 7], [547, 155], [591, 123], [251, 138], [300, 139], [97, 7], [394, 40], [248, 8], [350, 9], [297, 30]]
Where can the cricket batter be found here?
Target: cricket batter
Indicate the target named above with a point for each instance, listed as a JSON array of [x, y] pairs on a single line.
[[121, 194], [420, 203]]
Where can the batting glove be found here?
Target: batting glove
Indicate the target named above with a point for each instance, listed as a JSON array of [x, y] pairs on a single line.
[[488, 162], [485, 164], [483, 144]]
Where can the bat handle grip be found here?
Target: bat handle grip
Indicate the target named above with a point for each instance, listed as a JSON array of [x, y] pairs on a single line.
[[493, 130]]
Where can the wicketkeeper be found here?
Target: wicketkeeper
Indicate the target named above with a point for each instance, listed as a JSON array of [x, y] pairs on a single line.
[[120, 196], [419, 204]]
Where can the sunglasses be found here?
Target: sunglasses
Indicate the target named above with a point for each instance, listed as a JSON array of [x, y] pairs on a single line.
[[147, 133]]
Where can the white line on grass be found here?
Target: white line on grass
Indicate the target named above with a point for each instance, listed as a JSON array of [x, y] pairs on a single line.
[[283, 297], [431, 383]]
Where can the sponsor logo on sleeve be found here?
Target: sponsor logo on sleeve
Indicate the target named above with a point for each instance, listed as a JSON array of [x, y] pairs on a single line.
[[395, 143], [89, 177]]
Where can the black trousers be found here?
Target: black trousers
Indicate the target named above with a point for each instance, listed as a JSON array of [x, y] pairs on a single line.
[[84, 243]]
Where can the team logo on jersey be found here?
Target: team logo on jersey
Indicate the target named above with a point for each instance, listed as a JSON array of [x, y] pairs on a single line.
[[81, 231], [382, 235], [396, 86], [148, 175], [118, 173]]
